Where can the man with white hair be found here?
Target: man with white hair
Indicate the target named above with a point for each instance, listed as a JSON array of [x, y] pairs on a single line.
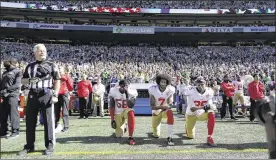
[[43, 79]]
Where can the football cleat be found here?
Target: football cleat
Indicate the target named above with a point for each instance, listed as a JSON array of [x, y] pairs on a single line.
[[170, 141], [131, 141], [210, 142]]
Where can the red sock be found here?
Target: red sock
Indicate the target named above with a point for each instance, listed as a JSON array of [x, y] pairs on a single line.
[[170, 119], [131, 123], [112, 113], [211, 123]]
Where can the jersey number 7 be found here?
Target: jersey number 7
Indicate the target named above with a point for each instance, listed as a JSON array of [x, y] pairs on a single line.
[[162, 101]]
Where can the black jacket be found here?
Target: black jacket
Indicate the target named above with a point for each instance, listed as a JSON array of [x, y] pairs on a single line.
[[11, 82]]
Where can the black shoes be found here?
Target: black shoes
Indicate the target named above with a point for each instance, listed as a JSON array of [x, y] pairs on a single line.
[[25, 151], [64, 130], [49, 151], [234, 118], [13, 135], [5, 135]]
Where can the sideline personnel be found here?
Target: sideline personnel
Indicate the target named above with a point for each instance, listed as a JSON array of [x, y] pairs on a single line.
[[84, 88], [44, 83], [9, 92], [63, 99], [227, 97], [256, 92]]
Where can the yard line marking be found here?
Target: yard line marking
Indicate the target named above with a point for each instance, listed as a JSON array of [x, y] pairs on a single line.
[[156, 152]]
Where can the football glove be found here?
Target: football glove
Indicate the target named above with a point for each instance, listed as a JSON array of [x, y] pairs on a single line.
[[113, 124], [206, 107]]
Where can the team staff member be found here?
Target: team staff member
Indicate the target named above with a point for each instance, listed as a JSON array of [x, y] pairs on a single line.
[[44, 82], [10, 85], [98, 97], [227, 97], [84, 88], [256, 92], [63, 99]]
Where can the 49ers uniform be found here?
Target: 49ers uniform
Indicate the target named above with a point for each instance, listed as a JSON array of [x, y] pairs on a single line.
[[238, 94], [195, 99], [161, 99], [122, 112]]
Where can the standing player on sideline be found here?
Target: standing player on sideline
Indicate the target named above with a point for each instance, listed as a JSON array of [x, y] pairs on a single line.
[[122, 100], [238, 94], [161, 100], [200, 108]]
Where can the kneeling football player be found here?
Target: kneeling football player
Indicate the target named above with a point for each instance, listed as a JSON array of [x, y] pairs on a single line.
[[161, 100], [200, 108], [122, 100]]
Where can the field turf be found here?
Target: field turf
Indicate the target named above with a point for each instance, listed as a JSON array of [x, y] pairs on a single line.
[[93, 138]]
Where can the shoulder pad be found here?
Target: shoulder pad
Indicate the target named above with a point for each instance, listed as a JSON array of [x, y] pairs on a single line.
[[210, 91], [151, 89], [133, 92], [171, 89], [112, 91]]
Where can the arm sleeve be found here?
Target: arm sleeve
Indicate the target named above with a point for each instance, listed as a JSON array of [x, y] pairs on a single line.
[[26, 74], [112, 108], [17, 84], [55, 72], [69, 83], [90, 87], [249, 90]]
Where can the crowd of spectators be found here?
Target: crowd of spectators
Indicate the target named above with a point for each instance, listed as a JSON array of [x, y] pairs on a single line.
[[142, 62], [163, 4]]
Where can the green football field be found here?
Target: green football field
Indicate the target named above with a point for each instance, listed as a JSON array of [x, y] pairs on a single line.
[[94, 139]]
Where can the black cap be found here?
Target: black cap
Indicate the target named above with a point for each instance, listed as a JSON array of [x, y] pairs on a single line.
[[124, 82]]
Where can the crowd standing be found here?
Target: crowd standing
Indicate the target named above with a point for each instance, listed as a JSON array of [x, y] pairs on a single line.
[[142, 62]]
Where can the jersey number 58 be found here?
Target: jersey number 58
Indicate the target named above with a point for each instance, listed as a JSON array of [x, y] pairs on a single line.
[[121, 103]]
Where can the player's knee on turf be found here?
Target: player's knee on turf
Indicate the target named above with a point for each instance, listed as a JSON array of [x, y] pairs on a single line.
[[190, 125], [120, 123], [156, 124]]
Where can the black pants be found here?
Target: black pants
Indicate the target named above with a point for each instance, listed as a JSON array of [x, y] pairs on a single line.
[[252, 107], [9, 107], [181, 99], [40, 101], [226, 100], [83, 105], [63, 102]]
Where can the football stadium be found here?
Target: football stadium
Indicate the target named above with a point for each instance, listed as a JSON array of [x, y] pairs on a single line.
[[129, 79]]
